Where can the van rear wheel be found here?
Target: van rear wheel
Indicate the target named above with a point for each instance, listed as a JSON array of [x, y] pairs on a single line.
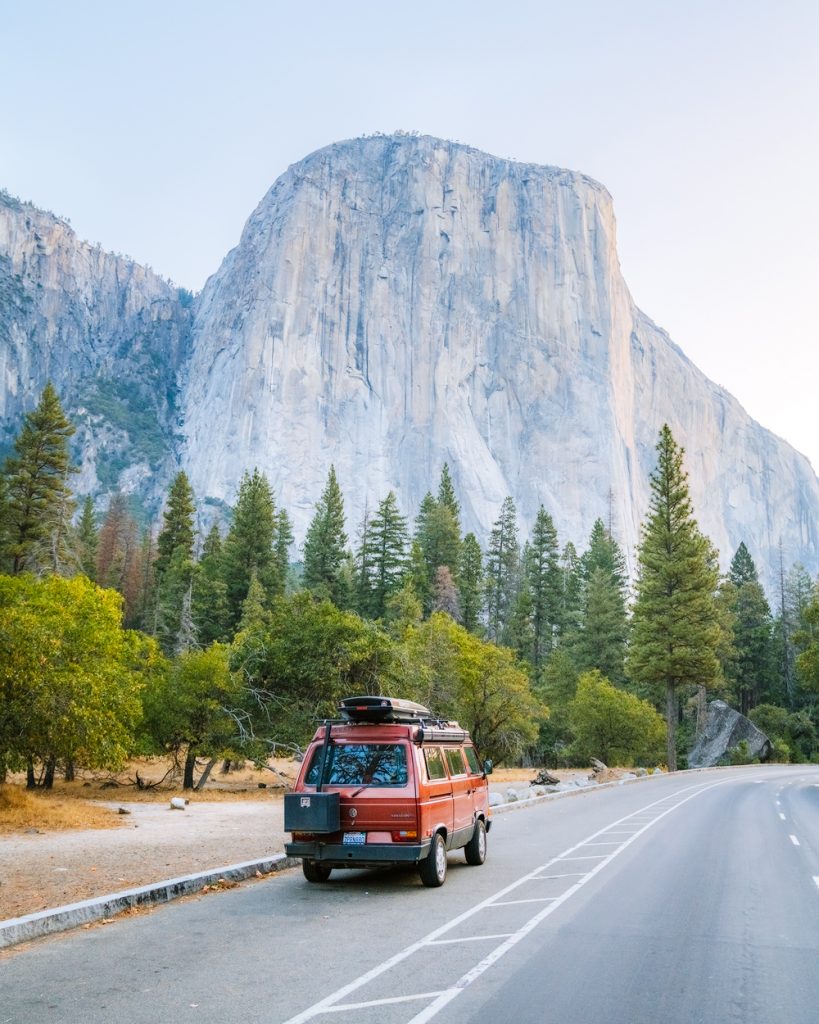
[[432, 868], [475, 849], [314, 872]]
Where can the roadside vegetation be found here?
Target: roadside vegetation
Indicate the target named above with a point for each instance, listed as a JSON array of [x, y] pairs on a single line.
[[118, 640]]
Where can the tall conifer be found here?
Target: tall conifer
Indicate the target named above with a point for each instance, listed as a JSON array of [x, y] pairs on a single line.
[[386, 556], [675, 629], [325, 546], [501, 571], [752, 668], [38, 502], [470, 583], [87, 540], [178, 529], [249, 544], [545, 583]]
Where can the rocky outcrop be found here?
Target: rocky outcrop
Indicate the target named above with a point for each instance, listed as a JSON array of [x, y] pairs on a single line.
[[110, 334], [724, 730], [396, 303]]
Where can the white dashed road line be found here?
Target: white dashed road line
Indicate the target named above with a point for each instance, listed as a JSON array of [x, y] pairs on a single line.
[[816, 879], [781, 815], [652, 813], [794, 840]]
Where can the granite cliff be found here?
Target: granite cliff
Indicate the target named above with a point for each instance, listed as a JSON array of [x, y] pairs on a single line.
[[109, 333], [395, 303], [398, 302]]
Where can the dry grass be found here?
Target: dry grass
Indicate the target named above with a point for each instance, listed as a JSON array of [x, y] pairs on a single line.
[[76, 804], [21, 810]]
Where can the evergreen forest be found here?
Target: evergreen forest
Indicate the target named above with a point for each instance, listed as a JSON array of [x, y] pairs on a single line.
[[120, 639]]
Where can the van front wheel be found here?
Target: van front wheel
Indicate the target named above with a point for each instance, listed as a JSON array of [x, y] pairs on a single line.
[[314, 872], [432, 868], [475, 849]]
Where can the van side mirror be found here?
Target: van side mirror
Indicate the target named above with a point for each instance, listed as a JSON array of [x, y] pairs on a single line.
[[488, 766]]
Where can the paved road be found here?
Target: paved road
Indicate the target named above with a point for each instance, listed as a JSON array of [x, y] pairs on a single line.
[[684, 899]]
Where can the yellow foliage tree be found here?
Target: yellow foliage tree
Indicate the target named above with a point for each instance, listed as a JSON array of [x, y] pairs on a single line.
[[69, 682], [459, 676]]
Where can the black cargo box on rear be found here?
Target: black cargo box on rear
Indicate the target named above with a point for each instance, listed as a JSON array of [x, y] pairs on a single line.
[[311, 812]]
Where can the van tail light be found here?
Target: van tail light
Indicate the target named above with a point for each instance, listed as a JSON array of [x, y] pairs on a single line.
[[405, 835], [303, 837]]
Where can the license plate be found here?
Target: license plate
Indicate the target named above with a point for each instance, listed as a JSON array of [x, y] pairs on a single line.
[[354, 838]]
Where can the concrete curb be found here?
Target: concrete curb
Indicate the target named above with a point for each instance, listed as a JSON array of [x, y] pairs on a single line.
[[46, 922]]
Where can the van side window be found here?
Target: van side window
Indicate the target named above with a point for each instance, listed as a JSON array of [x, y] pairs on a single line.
[[454, 761], [472, 761], [435, 763]]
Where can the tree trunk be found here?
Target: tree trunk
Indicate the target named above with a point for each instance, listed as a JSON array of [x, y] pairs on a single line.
[[203, 778], [31, 781], [671, 721], [69, 771], [701, 710], [190, 764], [50, 768]]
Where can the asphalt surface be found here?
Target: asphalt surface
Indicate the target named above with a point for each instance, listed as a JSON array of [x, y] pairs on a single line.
[[687, 898]]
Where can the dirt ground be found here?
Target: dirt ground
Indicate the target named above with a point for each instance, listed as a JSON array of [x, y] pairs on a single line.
[[229, 823]]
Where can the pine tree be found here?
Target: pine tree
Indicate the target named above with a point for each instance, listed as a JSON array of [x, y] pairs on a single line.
[[470, 583], [604, 553], [144, 617], [743, 568], [446, 493], [571, 590], [174, 569], [249, 543], [325, 545], [599, 642], [254, 613], [438, 535], [675, 630], [283, 543], [752, 668], [119, 564], [386, 556], [501, 574], [545, 583], [178, 529], [38, 502], [87, 541], [210, 604]]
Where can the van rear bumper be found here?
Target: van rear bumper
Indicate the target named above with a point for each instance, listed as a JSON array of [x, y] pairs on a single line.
[[339, 855]]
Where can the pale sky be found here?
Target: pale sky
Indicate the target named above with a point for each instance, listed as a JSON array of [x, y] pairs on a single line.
[[157, 127]]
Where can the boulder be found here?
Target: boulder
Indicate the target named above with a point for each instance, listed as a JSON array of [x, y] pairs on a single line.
[[725, 729]]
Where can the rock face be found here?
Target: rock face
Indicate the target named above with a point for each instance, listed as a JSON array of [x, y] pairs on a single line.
[[396, 303], [110, 334], [724, 730]]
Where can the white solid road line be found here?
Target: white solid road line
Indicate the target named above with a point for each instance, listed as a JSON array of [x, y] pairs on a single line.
[[794, 840]]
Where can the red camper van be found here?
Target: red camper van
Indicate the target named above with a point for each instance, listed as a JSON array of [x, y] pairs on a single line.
[[388, 783]]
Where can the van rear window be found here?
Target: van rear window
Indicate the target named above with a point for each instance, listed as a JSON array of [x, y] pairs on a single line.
[[360, 764]]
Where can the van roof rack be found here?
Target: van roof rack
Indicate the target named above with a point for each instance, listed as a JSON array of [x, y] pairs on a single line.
[[382, 709]]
